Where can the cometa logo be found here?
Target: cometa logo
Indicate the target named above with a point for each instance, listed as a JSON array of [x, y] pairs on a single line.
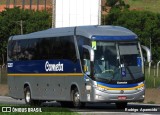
[[53, 67]]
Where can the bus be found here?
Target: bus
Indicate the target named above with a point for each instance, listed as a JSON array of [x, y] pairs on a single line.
[[77, 65]]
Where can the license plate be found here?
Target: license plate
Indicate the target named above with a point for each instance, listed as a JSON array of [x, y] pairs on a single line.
[[122, 97]]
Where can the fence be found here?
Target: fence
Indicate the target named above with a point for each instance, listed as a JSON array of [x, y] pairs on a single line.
[[152, 76]]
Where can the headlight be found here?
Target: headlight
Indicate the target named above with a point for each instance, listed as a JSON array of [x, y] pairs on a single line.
[[141, 88], [88, 87], [101, 89]]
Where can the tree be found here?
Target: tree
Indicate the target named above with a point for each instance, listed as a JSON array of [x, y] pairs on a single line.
[[145, 24], [111, 3], [120, 4], [10, 24]]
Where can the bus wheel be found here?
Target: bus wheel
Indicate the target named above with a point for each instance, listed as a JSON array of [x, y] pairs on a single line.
[[28, 99], [76, 99], [121, 105]]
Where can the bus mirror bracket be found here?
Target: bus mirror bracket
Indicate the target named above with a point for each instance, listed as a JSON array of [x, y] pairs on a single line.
[[148, 51], [91, 52], [88, 73]]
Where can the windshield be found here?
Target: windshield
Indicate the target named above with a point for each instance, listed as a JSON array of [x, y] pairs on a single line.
[[129, 53], [131, 64], [117, 61]]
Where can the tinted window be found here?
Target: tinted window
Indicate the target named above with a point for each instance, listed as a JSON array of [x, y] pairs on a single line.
[[82, 41], [43, 49]]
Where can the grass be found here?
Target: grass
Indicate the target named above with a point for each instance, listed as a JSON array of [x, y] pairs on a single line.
[[45, 110], [44, 113], [151, 102], [152, 81], [147, 5]]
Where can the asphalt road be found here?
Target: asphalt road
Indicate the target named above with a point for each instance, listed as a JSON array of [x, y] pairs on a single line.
[[96, 108]]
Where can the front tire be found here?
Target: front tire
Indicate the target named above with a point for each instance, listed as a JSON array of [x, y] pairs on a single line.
[[28, 99], [76, 99]]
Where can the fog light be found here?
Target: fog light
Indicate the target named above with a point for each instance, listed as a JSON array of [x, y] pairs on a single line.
[[143, 96], [97, 96]]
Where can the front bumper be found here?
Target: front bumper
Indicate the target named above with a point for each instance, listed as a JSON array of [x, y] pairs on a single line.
[[113, 96]]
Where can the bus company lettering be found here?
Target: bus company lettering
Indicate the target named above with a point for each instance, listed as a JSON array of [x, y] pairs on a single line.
[[53, 67]]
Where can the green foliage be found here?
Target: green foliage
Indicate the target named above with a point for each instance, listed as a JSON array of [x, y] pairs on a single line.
[[145, 24], [120, 4], [10, 24], [145, 5], [151, 102], [111, 3]]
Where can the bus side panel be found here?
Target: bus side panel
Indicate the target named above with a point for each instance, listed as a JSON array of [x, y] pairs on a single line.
[[44, 85], [16, 86], [51, 88], [42, 88], [11, 87], [75, 81], [59, 87], [48, 88]]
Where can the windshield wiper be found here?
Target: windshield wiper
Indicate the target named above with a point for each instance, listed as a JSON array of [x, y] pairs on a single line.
[[102, 79], [129, 71]]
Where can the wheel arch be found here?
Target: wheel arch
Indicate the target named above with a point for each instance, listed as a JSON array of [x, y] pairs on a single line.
[[27, 84], [73, 86]]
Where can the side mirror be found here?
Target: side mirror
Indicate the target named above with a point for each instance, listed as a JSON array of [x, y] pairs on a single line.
[[148, 51], [88, 61], [91, 52]]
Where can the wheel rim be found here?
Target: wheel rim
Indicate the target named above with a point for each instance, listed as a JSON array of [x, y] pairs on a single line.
[[76, 98], [28, 97]]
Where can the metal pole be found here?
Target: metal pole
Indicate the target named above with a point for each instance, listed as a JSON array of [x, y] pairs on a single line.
[[14, 3], [149, 69], [151, 53], [99, 14], [21, 24], [23, 4], [45, 3], [7, 3], [30, 4], [37, 4], [154, 71], [158, 68], [53, 12]]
